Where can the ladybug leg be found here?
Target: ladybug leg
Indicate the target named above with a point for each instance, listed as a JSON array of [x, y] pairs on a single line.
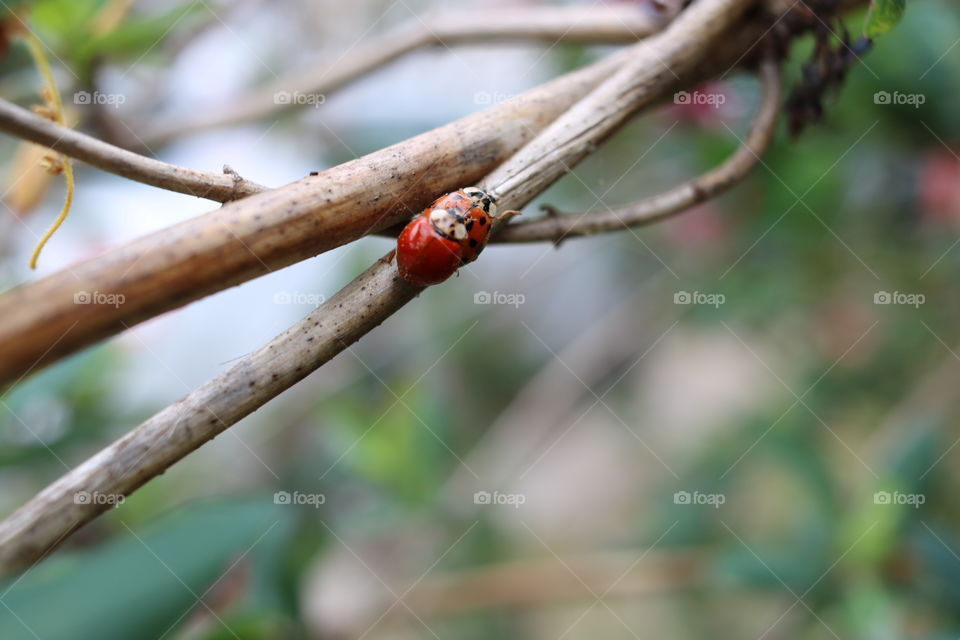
[[506, 215], [387, 259]]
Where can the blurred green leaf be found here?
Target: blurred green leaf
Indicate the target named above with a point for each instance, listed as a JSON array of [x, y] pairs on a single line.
[[937, 571], [62, 408], [883, 16], [137, 35], [142, 585]]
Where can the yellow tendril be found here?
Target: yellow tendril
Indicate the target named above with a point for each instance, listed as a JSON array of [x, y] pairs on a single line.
[[51, 98]]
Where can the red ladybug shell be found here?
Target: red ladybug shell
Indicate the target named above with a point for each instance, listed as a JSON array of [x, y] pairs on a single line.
[[424, 257], [449, 233]]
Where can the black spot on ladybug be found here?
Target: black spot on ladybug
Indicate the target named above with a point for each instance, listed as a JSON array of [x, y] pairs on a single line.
[[473, 242], [470, 226], [483, 222]]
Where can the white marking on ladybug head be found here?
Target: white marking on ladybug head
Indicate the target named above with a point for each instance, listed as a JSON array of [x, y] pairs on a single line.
[[482, 199]]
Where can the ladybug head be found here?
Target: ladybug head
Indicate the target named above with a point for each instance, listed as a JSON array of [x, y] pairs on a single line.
[[483, 199]]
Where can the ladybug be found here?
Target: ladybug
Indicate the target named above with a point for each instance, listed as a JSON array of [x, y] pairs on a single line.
[[449, 233]]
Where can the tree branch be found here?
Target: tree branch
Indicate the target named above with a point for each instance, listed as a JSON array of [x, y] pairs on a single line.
[[377, 293], [607, 24], [680, 198], [263, 232], [221, 187], [526, 583], [245, 239]]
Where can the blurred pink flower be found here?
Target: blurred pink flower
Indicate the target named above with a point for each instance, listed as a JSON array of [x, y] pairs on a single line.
[[938, 188]]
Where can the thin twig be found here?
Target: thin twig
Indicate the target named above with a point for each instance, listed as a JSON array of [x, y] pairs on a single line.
[[599, 24], [680, 198], [204, 184], [53, 108], [525, 583], [367, 301]]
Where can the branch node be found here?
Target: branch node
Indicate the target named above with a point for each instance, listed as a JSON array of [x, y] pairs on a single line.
[[238, 182], [552, 213]]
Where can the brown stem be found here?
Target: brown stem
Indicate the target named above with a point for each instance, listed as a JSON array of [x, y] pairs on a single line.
[[22, 123]]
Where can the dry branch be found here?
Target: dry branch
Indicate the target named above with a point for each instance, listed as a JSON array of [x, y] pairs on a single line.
[[268, 231], [367, 301], [541, 582], [530, 583], [263, 232], [668, 203], [605, 24], [204, 184]]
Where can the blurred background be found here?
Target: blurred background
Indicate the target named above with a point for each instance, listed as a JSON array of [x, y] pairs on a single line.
[[739, 423]]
